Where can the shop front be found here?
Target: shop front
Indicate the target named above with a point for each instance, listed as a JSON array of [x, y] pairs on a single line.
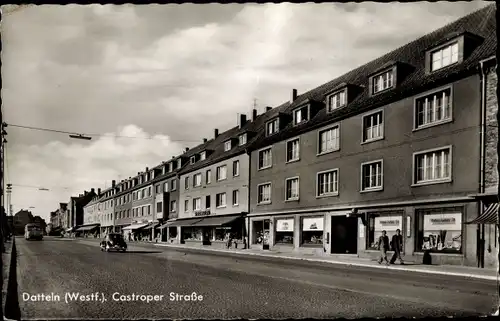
[[178, 231], [88, 230], [216, 231], [134, 232], [152, 232]]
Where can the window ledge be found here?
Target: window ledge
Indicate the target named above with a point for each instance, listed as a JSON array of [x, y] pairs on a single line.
[[372, 140], [236, 205], [382, 91], [328, 152], [292, 200], [327, 195], [224, 206], [293, 161], [266, 167], [441, 122], [236, 175], [441, 181], [223, 179], [264, 203], [369, 190]]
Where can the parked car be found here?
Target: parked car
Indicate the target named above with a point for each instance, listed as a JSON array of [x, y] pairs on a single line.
[[113, 242]]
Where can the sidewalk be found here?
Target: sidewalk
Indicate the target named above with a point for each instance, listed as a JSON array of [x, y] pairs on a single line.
[[6, 260], [451, 270]]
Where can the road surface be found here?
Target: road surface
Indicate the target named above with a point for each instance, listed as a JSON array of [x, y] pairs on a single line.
[[227, 287]]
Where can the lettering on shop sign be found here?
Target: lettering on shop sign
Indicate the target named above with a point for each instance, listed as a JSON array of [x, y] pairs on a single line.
[[389, 222], [202, 213], [444, 220]]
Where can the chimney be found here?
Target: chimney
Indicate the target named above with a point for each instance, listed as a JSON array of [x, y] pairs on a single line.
[[242, 120], [294, 95], [147, 169], [216, 133], [205, 140], [99, 191], [173, 157], [268, 108], [187, 148], [92, 190], [254, 114], [80, 195], [113, 183], [85, 192]]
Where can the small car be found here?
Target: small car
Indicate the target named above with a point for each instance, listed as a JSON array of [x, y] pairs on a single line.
[[113, 242]]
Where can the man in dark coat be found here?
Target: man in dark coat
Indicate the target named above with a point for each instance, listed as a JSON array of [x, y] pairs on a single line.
[[397, 247], [383, 246]]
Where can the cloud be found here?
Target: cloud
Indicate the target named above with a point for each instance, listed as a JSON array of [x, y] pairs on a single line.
[[173, 70]]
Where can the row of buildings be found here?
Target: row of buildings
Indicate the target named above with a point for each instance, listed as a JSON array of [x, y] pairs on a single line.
[[407, 141]]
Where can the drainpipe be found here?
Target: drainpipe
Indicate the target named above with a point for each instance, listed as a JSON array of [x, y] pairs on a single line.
[[249, 190]]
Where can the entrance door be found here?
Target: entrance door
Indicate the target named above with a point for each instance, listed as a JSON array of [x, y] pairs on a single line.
[[344, 235]]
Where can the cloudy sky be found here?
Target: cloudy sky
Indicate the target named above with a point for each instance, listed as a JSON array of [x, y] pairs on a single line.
[[162, 77]]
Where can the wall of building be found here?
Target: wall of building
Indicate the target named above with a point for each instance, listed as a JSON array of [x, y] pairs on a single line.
[[123, 209], [146, 201], [107, 212], [491, 137], [166, 195], [396, 149]]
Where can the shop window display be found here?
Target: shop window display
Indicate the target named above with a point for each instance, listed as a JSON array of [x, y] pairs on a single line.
[[312, 230], [192, 234], [378, 222], [284, 231], [439, 230]]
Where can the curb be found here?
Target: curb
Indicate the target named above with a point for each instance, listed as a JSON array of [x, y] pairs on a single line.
[[405, 268], [12, 310]]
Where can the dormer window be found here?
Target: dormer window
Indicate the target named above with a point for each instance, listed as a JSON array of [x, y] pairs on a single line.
[[337, 100], [227, 146], [203, 155], [242, 139], [272, 127], [383, 81], [301, 115], [179, 163], [444, 57], [192, 160]]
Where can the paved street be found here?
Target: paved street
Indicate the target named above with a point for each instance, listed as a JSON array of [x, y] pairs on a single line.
[[231, 287]]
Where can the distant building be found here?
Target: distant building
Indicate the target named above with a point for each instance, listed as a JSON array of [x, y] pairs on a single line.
[[22, 218]]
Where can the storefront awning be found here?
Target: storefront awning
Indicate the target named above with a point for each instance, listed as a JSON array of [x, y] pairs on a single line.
[[185, 222], [216, 221], [151, 226], [135, 226], [87, 228], [490, 216]]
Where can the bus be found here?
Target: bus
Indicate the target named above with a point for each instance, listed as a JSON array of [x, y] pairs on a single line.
[[33, 231]]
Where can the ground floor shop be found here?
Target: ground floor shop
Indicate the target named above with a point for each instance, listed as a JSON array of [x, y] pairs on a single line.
[[214, 231], [88, 230], [436, 230]]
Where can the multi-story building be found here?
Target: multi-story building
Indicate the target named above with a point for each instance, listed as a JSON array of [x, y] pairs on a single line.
[[90, 215], [63, 216], [123, 204], [22, 218], [106, 208], [393, 144], [75, 207], [214, 187]]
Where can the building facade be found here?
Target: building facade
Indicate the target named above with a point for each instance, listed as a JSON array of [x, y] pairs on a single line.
[[106, 208], [91, 224], [123, 204], [391, 145], [63, 216]]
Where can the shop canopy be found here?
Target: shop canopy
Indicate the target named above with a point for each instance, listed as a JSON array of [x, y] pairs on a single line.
[[490, 216], [69, 230], [87, 227], [181, 222], [217, 221], [135, 226], [151, 226]]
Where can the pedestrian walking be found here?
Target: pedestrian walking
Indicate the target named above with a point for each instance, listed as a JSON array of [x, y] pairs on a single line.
[[397, 247], [383, 246]]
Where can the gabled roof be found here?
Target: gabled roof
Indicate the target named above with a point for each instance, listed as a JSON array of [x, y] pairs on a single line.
[[481, 23]]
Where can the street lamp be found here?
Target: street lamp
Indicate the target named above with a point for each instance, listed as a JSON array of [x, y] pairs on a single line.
[[80, 136]]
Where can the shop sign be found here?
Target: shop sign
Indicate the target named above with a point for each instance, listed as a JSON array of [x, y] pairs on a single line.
[[448, 221], [312, 224], [284, 225], [388, 223], [202, 213]]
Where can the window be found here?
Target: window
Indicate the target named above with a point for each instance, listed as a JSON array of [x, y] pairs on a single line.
[[149, 191], [389, 221], [373, 126], [383, 81], [186, 206], [192, 160], [292, 189], [158, 189], [220, 200], [328, 183], [265, 158], [196, 204], [336, 100], [439, 230], [128, 213], [143, 193], [159, 207], [371, 176], [203, 155], [165, 186], [208, 176], [284, 231], [329, 140], [236, 168], [227, 146], [272, 127], [301, 115], [312, 231], [186, 182], [433, 166], [221, 173], [173, 206], [242, 139], [236, 197], [433, 109], [197, 180], [208, 203], [444, 57], [264, 193], [293, 150], [174, 184], [179, 163]]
